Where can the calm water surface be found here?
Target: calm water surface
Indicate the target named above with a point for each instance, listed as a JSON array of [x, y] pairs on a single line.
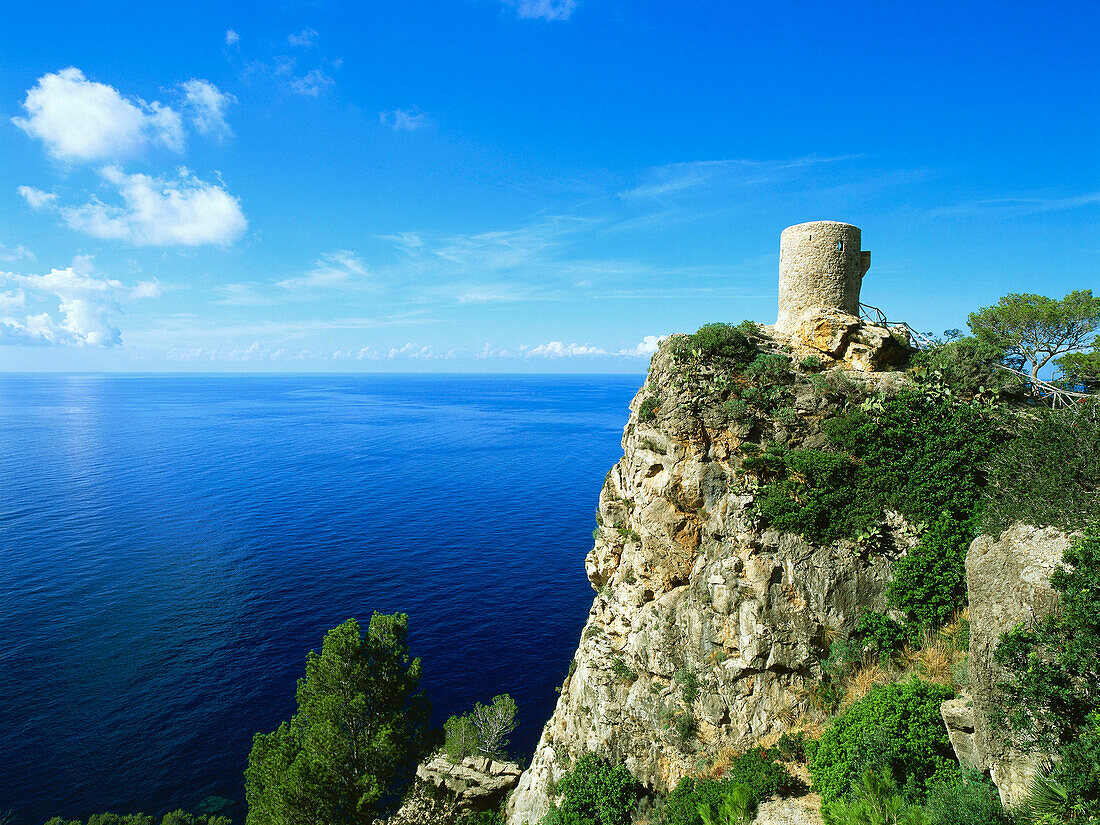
[[171, 547]]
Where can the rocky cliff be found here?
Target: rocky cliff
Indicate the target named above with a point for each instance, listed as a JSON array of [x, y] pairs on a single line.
[[707, 628], [1008, 582]]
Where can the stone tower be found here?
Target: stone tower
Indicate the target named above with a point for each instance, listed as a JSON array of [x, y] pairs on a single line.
[[820, 266]]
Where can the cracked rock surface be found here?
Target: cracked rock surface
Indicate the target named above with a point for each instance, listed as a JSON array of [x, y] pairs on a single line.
[[707, 628]]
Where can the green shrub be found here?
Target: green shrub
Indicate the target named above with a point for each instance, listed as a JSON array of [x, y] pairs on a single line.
[[751, 780], [791, 747], [875, 800], [737, 806], [647, 410], [173, 818], [811, 363], [595, 792], [682, 805], [879, 632], [769, 368], [689, 684], [759, 770], [920, 456], [737, 409], [717, 341], [966, 367], [969, 800], [1053, 689], [1049, 473], [459, 738], [895, 726], [817, 495], [622, 670]]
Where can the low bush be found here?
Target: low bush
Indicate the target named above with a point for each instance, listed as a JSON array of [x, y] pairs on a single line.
[[647, 410], [760, 771], [875, 800], [920, 456], [173, 818], [1049, 473], [721, 341], [966, 367], [880, 633], [769, 368], [969, 800], [895, 726], [595, 792], [791, 747]]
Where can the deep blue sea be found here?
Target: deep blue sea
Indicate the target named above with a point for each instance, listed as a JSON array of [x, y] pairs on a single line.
[[172, 547]]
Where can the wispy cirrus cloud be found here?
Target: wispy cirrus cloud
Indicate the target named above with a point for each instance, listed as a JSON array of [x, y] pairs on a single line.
[[306, 38], [675, 178], [543, 9], [405, 120], [1019, 205], [332, 269]]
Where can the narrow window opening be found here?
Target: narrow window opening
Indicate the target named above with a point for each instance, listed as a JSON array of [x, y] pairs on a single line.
[[840, 245]]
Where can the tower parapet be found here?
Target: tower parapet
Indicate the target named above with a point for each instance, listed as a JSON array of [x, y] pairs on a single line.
[[821, 266]]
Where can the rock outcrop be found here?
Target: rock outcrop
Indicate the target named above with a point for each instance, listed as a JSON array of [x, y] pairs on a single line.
[[445, 790], [707, 629], [1008, 580], [855, 343]]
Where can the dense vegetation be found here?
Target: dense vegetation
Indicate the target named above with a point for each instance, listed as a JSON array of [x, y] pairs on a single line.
[[353, 744], [897, 727], [173, 818], [919, 455], [595, 792]]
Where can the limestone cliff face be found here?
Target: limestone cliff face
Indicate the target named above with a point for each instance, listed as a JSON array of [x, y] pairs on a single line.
[[707, 628], [1008, 582]]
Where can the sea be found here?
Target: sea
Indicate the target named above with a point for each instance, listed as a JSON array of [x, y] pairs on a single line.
[[171, 547]]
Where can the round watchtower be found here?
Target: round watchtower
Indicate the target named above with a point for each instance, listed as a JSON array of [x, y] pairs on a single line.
[[820, 266]]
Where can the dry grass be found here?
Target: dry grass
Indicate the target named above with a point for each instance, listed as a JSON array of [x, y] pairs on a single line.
[[863, 679]]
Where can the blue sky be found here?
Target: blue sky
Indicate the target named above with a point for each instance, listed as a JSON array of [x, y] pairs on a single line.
[[519, 185]]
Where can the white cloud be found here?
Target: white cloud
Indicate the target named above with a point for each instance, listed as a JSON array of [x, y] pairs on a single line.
[[544, 9], [77, 307], [17, 253], [12, 300], [160, 212], [36, 198], [147, 289], [405, 120], [80, 120], [232, 38], [333, 269], [206, 105], [556, 349], [647, 346], [311, 84], [306, 38]]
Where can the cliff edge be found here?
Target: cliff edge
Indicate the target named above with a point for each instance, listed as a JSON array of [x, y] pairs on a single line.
[[708, 629]]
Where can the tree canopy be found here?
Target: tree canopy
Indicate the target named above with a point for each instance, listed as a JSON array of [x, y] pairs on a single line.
[[1033, 329], [359, 730]]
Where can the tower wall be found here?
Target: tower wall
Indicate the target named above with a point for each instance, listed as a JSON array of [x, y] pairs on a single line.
[[821, 265]]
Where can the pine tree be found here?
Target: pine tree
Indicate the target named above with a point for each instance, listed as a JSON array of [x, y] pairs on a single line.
[[360, 727]]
